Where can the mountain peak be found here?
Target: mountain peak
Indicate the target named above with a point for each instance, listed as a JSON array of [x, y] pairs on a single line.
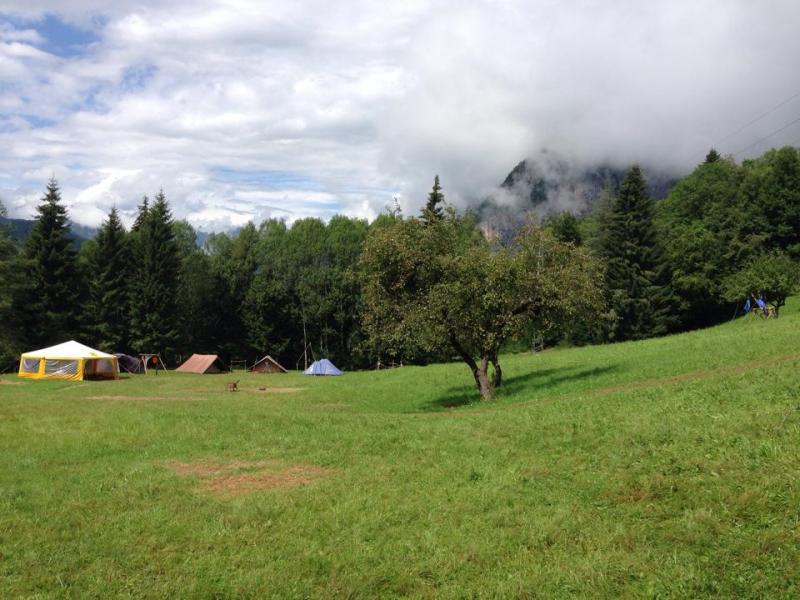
[[550, 183]]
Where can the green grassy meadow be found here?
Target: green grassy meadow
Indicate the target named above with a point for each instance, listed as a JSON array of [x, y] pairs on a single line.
[[663, 468]]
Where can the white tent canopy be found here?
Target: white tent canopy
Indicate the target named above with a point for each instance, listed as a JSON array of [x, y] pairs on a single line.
[[70, 360], [68, 349]]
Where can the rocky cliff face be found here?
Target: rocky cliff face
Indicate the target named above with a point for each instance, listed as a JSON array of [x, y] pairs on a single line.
[[548, 184]]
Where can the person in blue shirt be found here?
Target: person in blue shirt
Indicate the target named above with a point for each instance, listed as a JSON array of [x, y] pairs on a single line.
[[762, 304]]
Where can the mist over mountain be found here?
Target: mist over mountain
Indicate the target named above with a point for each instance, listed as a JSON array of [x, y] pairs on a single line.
[[550, 183]]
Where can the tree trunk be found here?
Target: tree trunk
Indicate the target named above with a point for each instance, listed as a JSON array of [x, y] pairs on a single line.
[[498, 372], [479, 371], [780, 301]]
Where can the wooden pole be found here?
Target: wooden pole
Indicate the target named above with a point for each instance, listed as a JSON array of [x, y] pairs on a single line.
[[305, 344]]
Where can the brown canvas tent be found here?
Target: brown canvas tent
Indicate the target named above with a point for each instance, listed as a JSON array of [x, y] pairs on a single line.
[[202, 364], [267, 365]]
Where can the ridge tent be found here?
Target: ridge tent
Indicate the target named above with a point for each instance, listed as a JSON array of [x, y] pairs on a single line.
[[202, 364], [267, 365], [70, 360], [322, 367]]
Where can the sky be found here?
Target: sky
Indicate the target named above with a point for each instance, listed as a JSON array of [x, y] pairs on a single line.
[[245, 110]]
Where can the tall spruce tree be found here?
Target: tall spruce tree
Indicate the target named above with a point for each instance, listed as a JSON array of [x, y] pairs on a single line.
[[8, 253], [48, 307], [712, 156], [141, 216], [433, 211], [11, 279], [636, 280], [109, 273], [154, 326]]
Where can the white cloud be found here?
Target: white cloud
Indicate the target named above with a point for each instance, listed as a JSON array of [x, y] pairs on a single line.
[[11, 34], [338, 107]]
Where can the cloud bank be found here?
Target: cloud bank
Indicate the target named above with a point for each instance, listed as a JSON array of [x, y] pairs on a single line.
[[243, 110]]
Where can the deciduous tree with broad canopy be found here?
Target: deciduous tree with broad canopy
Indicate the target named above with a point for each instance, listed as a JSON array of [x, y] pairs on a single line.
[[441, 285], [771, 274]]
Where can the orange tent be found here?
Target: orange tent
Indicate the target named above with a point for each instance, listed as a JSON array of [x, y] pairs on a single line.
[[202, 364]]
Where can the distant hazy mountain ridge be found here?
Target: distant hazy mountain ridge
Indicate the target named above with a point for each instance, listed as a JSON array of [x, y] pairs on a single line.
[[20, 230]]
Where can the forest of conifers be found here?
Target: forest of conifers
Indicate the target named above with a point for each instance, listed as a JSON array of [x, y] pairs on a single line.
[[725, 231]]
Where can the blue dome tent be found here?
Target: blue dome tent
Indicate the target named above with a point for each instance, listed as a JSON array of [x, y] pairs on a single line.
[[322, 367]]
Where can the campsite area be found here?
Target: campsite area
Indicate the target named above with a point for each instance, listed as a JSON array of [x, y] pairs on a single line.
[[661, 468]]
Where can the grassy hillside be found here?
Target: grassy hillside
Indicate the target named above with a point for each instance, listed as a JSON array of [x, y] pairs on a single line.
[[665, 468]]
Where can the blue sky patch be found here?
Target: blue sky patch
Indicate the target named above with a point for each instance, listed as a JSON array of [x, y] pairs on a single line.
[[39, 122], [136, 78], [63, 39], [89, 101], [270, 180], [60, 38]]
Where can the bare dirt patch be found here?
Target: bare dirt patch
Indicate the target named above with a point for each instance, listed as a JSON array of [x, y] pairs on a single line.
[[269, 390], [5, 382], [235, 478], [213, 468], [266, 479]]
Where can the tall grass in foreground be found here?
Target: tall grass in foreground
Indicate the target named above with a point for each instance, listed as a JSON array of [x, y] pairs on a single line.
[[664, 468]]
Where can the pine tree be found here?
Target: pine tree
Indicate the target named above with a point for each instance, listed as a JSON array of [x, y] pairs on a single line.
[[636, 277], [11, 279], [141, 216], [8, 253], [109, 272], [433, 211], [48, 305], [154, 324], [712, 156]]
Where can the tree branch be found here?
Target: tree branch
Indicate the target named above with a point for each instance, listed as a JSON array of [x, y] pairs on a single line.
[[465, 356]]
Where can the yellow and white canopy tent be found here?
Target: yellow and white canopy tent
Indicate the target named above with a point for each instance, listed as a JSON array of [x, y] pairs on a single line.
[[69, 360]]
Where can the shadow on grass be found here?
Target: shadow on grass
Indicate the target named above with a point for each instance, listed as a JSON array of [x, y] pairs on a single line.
[[535, 381]]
